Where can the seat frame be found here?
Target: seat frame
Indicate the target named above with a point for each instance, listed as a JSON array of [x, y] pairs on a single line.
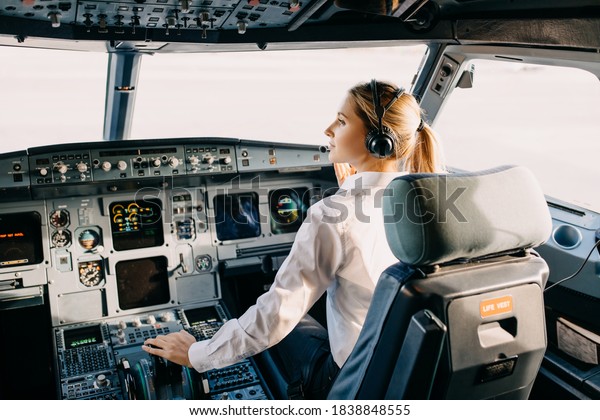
[[382, 363]]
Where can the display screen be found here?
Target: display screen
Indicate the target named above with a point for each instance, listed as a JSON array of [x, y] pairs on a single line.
[[20, 239], [81, 337], [202, 315], [236, 216], [136, 224], [288, 207], [143, 282]]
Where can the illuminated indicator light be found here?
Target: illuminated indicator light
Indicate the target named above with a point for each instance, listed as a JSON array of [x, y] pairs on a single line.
[[273, 160], [14, 262], [11, 235]]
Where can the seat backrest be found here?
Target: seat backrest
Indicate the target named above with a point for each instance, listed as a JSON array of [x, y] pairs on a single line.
[[460, 315]]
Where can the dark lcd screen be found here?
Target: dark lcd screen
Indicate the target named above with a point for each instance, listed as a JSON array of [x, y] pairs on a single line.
[[81, 337], [20, 239], [236, 216], [288, 207], [136, 224], [143, 282], [201, 315]]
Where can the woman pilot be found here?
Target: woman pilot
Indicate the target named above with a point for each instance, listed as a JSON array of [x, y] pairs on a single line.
[[340, 249]]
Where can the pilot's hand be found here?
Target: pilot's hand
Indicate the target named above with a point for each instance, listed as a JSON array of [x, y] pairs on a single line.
[[343, 171], [173, 347]]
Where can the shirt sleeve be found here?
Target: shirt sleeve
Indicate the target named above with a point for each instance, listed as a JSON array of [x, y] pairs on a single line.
[[303, 277]]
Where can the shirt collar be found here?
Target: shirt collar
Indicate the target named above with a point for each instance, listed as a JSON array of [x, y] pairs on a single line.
[[370, 179]]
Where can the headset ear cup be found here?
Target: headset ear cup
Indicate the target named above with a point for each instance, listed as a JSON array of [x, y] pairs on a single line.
[[380, 144]]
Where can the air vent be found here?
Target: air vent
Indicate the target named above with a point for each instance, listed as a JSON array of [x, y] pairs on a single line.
[[567, 209], [503, 57]]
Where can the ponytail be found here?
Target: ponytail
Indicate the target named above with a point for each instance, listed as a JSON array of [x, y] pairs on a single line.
[[425, 156]]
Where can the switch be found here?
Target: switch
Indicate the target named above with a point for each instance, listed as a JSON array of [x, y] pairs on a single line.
[[54, 19]]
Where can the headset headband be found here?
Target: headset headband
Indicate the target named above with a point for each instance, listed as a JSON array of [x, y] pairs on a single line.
[[381, 110]]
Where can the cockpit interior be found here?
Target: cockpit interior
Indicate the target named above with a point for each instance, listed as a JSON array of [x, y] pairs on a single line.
[[104, 244]]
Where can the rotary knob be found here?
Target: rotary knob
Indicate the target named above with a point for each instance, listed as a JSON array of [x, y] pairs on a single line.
[[151, 319], [166, 317], [122, 325], [194, 160], [106, 165], [121, 165], [82, 167], [155, 162], [137, 322], [61, 168], [173, 162], [226, 160], [43, 172], [102, 381], [208, 158]]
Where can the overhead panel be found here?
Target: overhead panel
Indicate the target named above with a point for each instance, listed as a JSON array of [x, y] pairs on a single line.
[[171, 15], [53, 11], [128, 16]]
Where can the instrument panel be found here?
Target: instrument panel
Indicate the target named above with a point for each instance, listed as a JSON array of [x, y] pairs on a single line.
[[105, 361], [129, 242]]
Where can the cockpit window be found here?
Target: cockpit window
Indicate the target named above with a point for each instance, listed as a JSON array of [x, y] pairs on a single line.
[[50, 97], [543, 117], [53, 96], [281, 96]]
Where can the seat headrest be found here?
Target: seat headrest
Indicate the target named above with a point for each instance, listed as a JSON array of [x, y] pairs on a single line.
[[436, 218]]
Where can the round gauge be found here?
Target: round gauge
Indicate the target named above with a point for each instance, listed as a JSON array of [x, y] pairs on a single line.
[[59, 218], [90, 273], [118, 209], [61, 238], [287, 209], [89, 239], [203, 262]]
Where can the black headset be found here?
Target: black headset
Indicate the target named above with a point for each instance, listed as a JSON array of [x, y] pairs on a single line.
[[381, 139]]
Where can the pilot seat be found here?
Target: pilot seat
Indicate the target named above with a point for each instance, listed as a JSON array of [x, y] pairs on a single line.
[[461, 315]]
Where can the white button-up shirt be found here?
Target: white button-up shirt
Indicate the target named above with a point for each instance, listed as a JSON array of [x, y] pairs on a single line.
[[340, 248]]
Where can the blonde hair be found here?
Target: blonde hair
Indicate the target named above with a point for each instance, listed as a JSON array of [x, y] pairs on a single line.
[[418, 150]]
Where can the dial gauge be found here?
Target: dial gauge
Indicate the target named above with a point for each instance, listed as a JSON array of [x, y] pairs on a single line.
[[91, 273], [59, 218], [61, 238], [89, 239], [203, 263]]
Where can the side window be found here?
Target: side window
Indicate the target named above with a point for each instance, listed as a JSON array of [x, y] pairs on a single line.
[[543, 117]]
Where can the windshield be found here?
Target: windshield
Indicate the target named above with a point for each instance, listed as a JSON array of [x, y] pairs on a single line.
[[51, 97], [285, 96]]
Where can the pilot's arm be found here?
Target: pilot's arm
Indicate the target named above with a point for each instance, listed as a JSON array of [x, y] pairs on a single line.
[[303, 277]]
